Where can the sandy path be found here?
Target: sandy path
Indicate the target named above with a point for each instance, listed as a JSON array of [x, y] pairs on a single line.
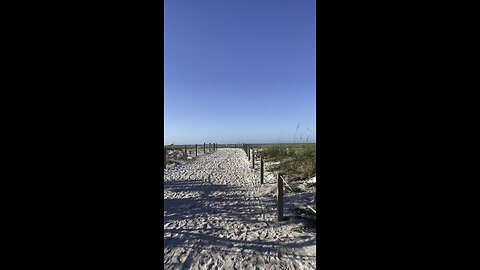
[[217, 216]]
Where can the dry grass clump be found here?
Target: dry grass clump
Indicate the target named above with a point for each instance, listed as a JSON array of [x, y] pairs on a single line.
[[296, 161], [277, 152]]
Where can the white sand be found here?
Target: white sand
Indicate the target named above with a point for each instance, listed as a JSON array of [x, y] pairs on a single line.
[[218, 216]]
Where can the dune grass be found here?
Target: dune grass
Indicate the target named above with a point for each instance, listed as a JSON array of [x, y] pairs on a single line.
[[298, 161]]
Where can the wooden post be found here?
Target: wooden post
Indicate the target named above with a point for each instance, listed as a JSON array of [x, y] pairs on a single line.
[[209, 147], [261, 171], [165, 157], [248, 152], [185, 152], [279, 197], [253, 159], [196, 150], [204, 148]]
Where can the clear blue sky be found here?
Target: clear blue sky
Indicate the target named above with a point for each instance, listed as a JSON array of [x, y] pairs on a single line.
[[239, 71]]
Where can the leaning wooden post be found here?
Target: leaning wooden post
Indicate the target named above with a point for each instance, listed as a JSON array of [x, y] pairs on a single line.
[[279, 197], [253, 159], [196, 150], [185, 152], [204, 148], [248, 152], [164, 157], [261, 171]]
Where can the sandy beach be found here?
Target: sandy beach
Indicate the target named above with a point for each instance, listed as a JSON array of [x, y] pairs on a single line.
[[218, 216]]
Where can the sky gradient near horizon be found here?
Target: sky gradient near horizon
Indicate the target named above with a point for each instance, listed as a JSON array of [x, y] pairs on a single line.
[[239, 71]]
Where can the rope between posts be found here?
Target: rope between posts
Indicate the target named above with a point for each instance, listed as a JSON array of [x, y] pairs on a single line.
[[315, 211], [285, 182]]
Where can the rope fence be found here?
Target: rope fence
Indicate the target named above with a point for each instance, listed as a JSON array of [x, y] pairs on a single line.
[[211, 147], [281, 181], [251, 155]]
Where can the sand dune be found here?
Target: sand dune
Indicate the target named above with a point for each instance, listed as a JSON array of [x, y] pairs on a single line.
[[218, 216]]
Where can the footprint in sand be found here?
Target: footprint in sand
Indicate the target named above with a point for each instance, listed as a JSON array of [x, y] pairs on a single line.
[[226, 213]]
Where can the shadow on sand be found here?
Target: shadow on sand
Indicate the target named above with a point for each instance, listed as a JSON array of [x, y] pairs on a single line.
[[227, 203]]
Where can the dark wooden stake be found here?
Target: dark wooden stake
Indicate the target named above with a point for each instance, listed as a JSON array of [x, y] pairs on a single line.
[[248, 152], [196, 150], [279, 197], [185, 152], [261, 171], [253, 159], [204, 148]]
